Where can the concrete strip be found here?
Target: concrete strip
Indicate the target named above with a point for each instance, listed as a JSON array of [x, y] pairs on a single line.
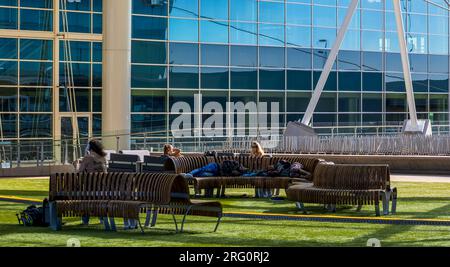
[[420, 178]]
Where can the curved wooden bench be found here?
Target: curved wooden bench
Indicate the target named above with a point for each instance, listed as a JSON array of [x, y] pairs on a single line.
[[126, 195], [190, 162], [338, 184]]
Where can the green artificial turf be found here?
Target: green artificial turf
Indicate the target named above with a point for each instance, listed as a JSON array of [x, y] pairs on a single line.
[[416, 200]]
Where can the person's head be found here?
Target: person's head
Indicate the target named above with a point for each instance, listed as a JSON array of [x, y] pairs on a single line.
[[168, 149], [257, 149], [96, 147]]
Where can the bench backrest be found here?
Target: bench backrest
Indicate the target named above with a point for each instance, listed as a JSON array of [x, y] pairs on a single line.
[[352, 177], [153, 164], [140, 153], [156, 188], [123, 163]]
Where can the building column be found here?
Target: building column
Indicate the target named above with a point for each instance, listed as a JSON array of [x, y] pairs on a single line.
[[116, 96]]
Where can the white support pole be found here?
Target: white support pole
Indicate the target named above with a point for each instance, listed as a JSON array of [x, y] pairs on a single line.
[[329, 64], [116, 97], [405, 63]]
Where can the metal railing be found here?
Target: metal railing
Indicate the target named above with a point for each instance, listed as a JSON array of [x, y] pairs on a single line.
[[368, 140]]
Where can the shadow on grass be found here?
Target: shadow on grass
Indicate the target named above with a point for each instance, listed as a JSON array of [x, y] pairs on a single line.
[[163, 236], [390, 230]]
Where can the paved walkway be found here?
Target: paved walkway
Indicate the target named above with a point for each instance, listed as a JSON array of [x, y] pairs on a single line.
[[420, 178]]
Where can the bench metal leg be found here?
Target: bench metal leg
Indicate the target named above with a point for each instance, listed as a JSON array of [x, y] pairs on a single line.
[[217, 224], [55, 221], [277, 192], [377, 208], [184, 218], [301, 207]]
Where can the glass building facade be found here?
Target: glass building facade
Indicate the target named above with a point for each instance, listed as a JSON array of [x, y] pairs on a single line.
[[227, 50]]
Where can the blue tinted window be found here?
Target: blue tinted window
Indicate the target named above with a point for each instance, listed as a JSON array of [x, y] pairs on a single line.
[[77, 22], [214, 9], [438, 64], [245, 56], [9, 125], [372, 61], [8, 99], [97, 75], [8, 48], [394, 82], [330, 85], [183, 77], [97, 23], [38, 3], [81, 74], [8, 2], [299, 58], [298, 36], [271, 79], [372, 103], [349, 81], [96, 100], [80, 51], [419, 63], [83, 5], [36, 49], [299, 80], [298, 14], [242, 78], [271, 34], [183, 30], [148, 76], [8, 72], [214, 78], [148, 123], [149, 28], [35, 126], [98, 5], [36, 73], [183, 8], [372, 81], [349, 60], [8, 18], [243, 10], [271, 57], [215, 55], [183, 54], [213, 31], [420, 82], [35, 100], [37, 20], [243, 33], [97, 52], [148, 52], [323, 37], [150, 7], [271, 12], [324, 16], [438, 83], [148, 101]]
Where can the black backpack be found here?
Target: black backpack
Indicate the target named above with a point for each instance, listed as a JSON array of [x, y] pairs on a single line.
[[231, 168], [33, 216]]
